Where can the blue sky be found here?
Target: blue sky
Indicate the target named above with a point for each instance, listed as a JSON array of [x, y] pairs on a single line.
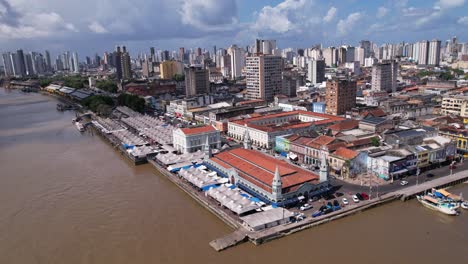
[[90, 26]]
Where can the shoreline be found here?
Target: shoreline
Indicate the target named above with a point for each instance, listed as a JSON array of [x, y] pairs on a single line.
[[240, 234]]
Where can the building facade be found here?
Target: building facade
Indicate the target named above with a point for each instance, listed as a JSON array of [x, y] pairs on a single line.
[[340, 96], [197, 81], [384, 76], [188, 140], [264, 76]]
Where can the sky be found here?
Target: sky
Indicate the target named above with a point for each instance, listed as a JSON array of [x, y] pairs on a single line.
[[90, 26]]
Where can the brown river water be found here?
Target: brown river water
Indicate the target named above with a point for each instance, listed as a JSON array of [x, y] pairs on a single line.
[[67, 197]]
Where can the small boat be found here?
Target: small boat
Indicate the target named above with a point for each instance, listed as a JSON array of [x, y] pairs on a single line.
[[464, 205], [438, 205]]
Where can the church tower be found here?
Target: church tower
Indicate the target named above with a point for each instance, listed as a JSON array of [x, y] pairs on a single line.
[[247, 140], [277, 186], [207, 148], [323, 169]]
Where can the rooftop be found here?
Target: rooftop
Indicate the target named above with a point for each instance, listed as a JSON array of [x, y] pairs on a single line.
[[259, 168], [198, 130], [345, 153]]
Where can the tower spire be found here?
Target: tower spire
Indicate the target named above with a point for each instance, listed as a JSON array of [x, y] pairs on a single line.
[[277, 185], [247, 140], [207, 148], [323, 169]]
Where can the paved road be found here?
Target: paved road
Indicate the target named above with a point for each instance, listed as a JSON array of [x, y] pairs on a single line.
[[346, 187]]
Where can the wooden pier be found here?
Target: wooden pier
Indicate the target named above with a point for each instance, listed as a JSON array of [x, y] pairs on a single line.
[[230, 240]]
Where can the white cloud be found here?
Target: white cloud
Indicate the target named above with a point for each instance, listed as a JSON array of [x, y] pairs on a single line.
[[330, 14], [33, 25], [209, 13], [347, 25], [382, 11], [463, 20], [447, 4], [96, 27]]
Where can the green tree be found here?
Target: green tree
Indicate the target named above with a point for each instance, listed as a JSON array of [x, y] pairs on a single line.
[[107, 85], [98, 103], [375, 142], [134, 102], [179, 77]]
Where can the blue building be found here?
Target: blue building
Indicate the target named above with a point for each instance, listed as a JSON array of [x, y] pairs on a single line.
[[318, 107]]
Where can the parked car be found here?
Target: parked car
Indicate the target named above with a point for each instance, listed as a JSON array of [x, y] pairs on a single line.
[[403, 183], [345, 201], [359, 196], [430, 175], [365, 196], [317, 213], [355, 199], [305, 207], [336, 203], [314, 199], [339, 194]]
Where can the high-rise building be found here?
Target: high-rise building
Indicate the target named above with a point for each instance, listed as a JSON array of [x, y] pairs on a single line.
[[316, 71], [76, 67], [29, 64], [237, 61], [434, 53], [153, 54], [117, 62], [20, 64], [7, 64], [168, 69], [126, 64], [340, 96], [264, 76], [197, 81], [330, 55], [182, 54], [423, 52], [359, 55], [265, 46], [48, 61], [384, 76], [366, 46]]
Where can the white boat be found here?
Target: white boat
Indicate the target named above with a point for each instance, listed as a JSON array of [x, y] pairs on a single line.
[[437, 205], [464, 205], [79, 126]]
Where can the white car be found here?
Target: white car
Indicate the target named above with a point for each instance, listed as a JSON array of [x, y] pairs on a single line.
[[305, 207], [403, 183], [355, 199], [345, 201]]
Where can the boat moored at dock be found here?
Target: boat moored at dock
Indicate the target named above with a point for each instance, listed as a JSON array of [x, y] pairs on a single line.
[[438, 205]]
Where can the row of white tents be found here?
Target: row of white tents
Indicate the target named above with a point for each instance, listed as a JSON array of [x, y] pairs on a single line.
[[232, 199], [171, 158]]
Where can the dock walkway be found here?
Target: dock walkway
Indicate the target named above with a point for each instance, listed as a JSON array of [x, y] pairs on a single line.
[[411, 191], [230, 240]]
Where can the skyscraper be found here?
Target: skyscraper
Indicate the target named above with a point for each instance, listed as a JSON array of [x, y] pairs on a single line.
[[182, 54], [20, 65], [76, 67], [48, 61], [237, 61], [366, 46], [434, 53], [264, 76], [117, 62], [197, 81], [340, 96], [7, 63], [316, 71], [265, 46], [423, 52], [126, 64], [384, 76], [29, 65], [330, 55]]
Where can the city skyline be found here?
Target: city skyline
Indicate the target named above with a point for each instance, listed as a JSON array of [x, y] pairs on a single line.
[[88, 27]]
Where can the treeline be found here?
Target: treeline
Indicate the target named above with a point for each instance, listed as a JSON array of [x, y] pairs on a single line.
[[107, 85], [134, 102], [100, 104], [77, 82]]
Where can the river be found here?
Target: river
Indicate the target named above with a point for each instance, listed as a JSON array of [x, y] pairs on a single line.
[[67, 197]]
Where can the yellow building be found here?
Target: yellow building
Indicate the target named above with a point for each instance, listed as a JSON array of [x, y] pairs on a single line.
[[168, 69], [459, 135]]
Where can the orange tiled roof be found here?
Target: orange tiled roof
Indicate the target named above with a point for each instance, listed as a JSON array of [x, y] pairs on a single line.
[[345, 153], [198, 130], [259, 168], [345, 125]]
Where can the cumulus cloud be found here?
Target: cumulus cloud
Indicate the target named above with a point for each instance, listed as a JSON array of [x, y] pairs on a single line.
[[382, 11], [463, 21], [96, 27], [346, 25], [206, 13], [330, 14], [447, 4]]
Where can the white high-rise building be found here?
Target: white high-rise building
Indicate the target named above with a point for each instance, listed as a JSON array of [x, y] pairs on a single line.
[[265, 46], [423, 52], [359, 55], [264, 76], [237, 61], [434, 53], [76, 67], [330, 55], [316, 71]]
